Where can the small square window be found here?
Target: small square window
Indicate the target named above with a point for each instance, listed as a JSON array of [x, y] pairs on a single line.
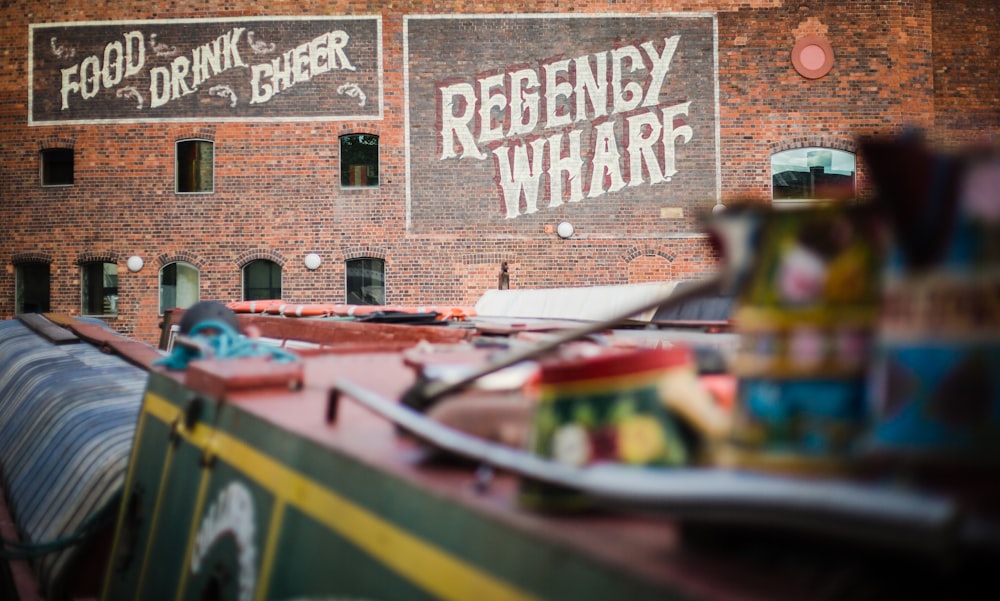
[[359, 160], [57, 167], [195, 166]]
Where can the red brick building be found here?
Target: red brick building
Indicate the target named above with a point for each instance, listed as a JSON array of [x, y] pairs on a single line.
[[154, 154]]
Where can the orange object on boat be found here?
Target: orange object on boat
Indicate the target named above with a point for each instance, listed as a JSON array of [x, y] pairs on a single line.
[[287, 309]]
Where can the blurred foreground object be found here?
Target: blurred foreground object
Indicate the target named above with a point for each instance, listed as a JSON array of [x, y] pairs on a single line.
[[806, 309], [935, 381]]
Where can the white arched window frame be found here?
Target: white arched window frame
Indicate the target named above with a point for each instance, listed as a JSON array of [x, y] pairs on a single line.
[[812, 175], [179, 286]]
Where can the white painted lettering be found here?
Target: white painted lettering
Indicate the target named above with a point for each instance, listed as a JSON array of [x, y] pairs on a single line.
[[606, 162], [491, 127], [458, 125], [68, 85], [90, 77], [565, 168], [260, 90], [557, 113], [135, 53], [627, 95], [521, 177], [198, 71], [643, 131], [211, 58], [230, 50], [281, 69], [591, 85], [661, 64], [159, 86], [120, 60], [504, 112], [671, 134], [113, 69], [179, 68], [335, 47], [300, 63], [524, 102], [319, 56]]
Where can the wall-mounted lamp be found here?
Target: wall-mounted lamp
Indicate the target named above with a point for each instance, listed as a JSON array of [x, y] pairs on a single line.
[[312, 261], [135, 263], [718, 208], [564, 229]]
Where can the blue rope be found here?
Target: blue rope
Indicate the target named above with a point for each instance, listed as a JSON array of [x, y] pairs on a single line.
[[225, 343], [10, 549]]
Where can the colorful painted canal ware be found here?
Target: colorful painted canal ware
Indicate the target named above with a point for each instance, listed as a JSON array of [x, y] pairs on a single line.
[[805, 314], [605, 409], [936, 373]]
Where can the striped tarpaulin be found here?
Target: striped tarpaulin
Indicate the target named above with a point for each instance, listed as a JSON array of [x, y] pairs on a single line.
[[67, 418]]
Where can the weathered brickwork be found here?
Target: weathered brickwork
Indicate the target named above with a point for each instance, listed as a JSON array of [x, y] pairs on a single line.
[[443, 225]]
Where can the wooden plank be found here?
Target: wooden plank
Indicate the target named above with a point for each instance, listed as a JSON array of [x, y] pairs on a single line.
[[138, 353], [45, 328]]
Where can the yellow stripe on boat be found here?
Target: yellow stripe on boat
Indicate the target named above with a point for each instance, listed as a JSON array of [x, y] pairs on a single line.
[[429, 567]]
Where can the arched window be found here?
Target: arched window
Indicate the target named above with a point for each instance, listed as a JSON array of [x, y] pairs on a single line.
[[810, 175], [366, 281], [261, 280], [32, 283], [178, 286], [99, 288], [358, 160], [195, 166]]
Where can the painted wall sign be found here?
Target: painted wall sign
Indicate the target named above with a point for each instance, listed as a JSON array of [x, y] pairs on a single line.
[[206, 69], [529, 115]]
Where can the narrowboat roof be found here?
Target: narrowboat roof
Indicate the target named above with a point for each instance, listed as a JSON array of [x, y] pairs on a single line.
[[332, 397]]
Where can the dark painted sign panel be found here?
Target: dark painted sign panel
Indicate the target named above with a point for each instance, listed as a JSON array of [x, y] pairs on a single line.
[[206, 69], [585, 116]]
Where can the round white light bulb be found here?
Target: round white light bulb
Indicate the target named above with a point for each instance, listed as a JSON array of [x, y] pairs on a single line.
[[565, 229], [312, 261], [135, 263]]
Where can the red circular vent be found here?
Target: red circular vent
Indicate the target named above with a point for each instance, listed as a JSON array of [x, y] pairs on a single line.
[[812, 57]]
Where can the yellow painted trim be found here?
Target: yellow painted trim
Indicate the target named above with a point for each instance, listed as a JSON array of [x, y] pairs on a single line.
[[129, 478], [199, 507], [429, 567], [168, 458], [270, 549]]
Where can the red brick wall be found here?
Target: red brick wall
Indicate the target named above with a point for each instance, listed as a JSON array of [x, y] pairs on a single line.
[[966, 86], [277, 192]]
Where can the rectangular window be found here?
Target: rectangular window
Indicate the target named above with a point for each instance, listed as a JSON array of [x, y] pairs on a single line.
[[99, 288], [33, 288], [195, 166], [57, 167], [366, 281], [358, 160]]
